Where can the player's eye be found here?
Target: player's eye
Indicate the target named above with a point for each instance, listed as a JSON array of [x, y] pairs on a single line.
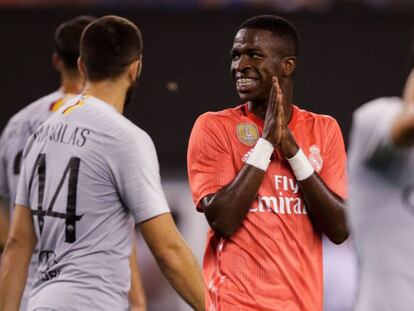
[[235, 56], [255, 56]]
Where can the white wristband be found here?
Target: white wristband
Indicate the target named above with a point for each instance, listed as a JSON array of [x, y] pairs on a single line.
[[261, 153], [300, 165]]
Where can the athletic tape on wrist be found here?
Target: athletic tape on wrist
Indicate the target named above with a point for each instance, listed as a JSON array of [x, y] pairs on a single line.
[[300, 166], [261, 153]]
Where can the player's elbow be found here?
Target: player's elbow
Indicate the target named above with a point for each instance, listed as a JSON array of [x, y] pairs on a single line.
[[221, 224], [222, 229], [15, 247], [18, 242], [340, 236], [169, 252]]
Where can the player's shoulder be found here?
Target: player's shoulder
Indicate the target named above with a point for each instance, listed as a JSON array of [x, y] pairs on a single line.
[[43, 103], [114, 122], [28, 112], [221, 117], [309, 116], [377, 107]]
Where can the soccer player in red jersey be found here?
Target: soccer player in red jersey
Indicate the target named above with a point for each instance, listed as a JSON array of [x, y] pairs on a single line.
[[270, 178]]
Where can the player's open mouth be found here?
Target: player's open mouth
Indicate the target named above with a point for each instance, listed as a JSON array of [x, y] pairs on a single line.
[[244, 84]]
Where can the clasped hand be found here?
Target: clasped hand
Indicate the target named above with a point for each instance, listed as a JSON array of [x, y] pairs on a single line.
[[275, 129]]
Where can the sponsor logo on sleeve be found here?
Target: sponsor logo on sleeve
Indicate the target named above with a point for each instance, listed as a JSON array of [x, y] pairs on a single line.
[[247, 133]]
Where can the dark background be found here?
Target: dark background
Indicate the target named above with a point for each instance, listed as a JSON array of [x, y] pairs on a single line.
[[347, 57]]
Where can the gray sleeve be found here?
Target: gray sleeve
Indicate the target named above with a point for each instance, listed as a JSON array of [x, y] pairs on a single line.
[[136, 171], [371, 132], [4, 188]]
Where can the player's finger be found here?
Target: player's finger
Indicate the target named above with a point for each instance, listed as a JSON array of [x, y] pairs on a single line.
[[272, 99], [279, 94]]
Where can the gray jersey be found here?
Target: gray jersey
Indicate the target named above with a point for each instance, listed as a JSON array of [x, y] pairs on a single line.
[[85, 172], [381, 211], [14, 138], [12, 141]]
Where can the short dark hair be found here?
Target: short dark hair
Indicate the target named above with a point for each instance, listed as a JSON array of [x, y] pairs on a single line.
[[279, 27], [67, 39], [108, 46]]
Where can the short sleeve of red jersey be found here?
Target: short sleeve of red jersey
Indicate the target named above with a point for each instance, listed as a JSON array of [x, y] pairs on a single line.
[[334, 171], [209, 159]]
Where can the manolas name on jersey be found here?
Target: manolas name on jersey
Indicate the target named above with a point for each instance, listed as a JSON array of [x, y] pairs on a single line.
[[84, 174]]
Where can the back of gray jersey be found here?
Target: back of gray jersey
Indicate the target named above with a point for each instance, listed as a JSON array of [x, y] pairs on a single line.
[[85, 171], [14, 138], [12, 141], [381, 211]]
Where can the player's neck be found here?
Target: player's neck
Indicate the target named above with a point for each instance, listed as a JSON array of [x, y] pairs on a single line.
[[72, 85], [71, 81], [259, 109], [111, 92]]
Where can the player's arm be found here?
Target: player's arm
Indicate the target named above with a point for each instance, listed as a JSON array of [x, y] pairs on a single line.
[[137, 299], [4, 222], [136, 172], [226, 209], [325, 207], [16, 259], [403, 127], [175, 259]]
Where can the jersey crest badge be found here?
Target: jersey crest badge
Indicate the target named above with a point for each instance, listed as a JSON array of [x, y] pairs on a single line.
[[247, 133], [315, 158]]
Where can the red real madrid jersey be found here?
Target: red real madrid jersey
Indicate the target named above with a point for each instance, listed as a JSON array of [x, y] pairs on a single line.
[[274, 260]]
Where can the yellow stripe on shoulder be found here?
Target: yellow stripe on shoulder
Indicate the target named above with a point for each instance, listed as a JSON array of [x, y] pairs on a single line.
[[78, 104]]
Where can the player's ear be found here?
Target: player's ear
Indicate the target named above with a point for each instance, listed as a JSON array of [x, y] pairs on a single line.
[[81, 67], [56, 61], [134, 70], [288, 65]]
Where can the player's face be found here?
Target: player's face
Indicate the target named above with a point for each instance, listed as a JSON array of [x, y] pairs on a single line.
[[254, 62]]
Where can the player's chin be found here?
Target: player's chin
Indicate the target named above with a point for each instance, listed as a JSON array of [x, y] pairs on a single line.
[[246, 96]]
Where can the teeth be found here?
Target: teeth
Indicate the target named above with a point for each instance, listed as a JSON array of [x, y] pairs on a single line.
[[246, 80]]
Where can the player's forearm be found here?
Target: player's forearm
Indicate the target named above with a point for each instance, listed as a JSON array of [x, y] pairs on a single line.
[[181, 269], [403, 129], [325, 208], [227, 208], [4, 223], [137, 299], [4, 229], [13, 274]]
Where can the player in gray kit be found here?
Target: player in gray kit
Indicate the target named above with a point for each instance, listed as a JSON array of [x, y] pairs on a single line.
[[85, 171], [26, 121], [381, 201]]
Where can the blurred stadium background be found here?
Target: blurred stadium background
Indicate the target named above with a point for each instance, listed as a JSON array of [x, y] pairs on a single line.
[[351, 51]]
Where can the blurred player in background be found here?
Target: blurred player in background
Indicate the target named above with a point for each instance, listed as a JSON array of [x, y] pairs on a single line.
[[85, 171], [252, 171], [381, 201], [24, 123]]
